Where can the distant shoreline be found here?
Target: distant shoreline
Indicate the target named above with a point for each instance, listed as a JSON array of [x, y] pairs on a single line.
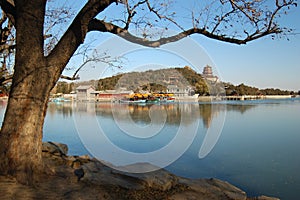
[[243, 97]]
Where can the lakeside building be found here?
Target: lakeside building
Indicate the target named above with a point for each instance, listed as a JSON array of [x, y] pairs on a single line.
[[180, 91], [110, 95], [85, 93], [183, 94]]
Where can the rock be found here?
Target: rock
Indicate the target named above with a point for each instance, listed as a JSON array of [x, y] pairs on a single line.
[[85, 157], [90, 173], [159, 180], [97, 173], [212, 189], [263, 197], [79, 173], [55, 148]]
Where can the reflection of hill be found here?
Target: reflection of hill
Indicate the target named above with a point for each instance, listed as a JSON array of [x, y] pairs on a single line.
[[239, 107], [174, 113], [206, 114], [209, 111], [138, 113]]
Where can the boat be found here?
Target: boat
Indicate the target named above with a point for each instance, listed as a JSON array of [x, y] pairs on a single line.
[[131, 101], [168, 100], [153, 100], [149, 98], [59, 99]]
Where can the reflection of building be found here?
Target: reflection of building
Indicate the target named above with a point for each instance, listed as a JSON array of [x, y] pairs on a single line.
[[84, 93], [208, 74]]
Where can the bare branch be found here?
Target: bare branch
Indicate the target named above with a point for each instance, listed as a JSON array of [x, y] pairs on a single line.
[[3, 18], [234, 6], [92, 58], [221, 19], [9, 9], [76, 33], [7, 47], [98, 25], [69, 77], [5, 79], [160, 16], [131, 12]]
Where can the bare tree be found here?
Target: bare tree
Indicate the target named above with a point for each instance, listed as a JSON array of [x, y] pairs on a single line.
[[55, 18], [36, 73]]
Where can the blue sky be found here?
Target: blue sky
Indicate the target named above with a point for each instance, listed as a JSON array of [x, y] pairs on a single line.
[[264, 63]]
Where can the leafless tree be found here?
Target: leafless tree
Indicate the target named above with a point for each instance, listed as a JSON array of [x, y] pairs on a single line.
[[37, 68]]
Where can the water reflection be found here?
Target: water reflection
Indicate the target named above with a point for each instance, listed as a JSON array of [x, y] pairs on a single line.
[[257, 150], [139, 113], [63, 108]]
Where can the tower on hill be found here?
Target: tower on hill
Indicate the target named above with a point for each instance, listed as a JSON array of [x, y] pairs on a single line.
[[208, 74]]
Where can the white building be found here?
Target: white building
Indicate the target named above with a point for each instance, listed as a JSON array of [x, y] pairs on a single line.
[[85, 93], [180, 91]]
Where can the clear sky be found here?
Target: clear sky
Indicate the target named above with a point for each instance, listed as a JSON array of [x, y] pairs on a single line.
[[262, 63]]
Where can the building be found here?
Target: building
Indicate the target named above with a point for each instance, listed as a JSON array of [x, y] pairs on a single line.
[[180, 91], [111, 95], [208, 74], [85, 93]]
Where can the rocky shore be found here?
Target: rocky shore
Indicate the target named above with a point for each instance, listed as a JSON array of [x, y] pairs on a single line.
[[82, 177]]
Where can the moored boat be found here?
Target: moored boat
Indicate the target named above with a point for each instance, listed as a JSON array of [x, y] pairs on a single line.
[[168, 100], [129, 101]]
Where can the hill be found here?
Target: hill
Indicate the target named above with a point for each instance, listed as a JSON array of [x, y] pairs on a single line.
[[155, 80], [158, 80]]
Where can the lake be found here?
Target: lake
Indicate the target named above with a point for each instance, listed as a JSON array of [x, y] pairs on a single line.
[[251, 144]]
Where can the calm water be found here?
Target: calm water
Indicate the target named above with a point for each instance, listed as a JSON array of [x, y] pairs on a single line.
[[256, 142]]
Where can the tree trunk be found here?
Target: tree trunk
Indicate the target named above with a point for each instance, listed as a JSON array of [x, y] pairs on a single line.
[[34, 77], [21, 133]]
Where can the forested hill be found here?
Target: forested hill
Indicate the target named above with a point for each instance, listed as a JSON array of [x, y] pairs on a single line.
[[158, 80], [155, 80]]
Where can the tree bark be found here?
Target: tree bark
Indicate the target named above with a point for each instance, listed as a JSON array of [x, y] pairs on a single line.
[[21, 133]]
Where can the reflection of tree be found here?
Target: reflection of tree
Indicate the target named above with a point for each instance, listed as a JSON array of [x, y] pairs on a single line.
[[176, 113], [239, 107], [206, 114], [141, 113], [64, 108], [209, 111]]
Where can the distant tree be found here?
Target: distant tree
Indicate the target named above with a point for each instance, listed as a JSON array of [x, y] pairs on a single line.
[[63, 87], [154, 87], [37, 69], [201, 88], [243, 89]]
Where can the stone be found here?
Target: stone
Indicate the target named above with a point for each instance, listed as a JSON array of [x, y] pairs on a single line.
[[91, 173], [159, 180], [76, 164], [263, 197], [97, 173], [85, 157], [55, 148], [213, 189]]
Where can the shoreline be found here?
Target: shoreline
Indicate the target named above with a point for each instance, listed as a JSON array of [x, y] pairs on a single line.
[[82, 177]]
